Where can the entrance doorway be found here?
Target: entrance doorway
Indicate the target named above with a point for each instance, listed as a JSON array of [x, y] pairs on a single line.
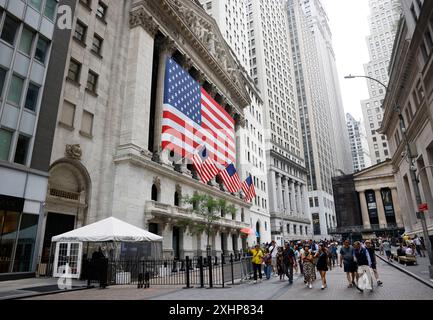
[[56, 224]]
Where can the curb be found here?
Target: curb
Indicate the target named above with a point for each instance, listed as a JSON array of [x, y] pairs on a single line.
[[18, 297], [395, 265]]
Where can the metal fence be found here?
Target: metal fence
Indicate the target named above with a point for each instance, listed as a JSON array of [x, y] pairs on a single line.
[[189, 272]]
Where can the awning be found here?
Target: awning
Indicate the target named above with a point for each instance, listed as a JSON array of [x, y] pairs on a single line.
[[110, 229]]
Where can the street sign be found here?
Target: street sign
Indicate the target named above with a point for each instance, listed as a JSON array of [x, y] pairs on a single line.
[[423, 207]]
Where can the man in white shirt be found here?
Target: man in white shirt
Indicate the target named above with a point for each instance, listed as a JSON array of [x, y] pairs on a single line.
[[273, 250]]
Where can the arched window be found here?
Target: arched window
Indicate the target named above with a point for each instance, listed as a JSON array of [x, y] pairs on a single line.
[[176, 199], [154, 193], [242, 216]]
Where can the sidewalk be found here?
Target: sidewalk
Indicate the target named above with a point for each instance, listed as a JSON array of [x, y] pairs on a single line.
[[421, 269], [34, 287]]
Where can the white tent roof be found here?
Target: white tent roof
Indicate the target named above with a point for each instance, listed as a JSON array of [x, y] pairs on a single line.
[[110, 229]]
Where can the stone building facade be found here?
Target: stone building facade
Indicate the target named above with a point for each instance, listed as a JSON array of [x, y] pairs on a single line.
[[107, 158], [408, 112]]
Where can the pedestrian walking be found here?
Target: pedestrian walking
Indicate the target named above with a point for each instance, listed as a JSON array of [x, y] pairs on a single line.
[[289, 262], [333, 253], [309, 268], [273, 250], [387, 248], [280, 263], [350, 266], [257, 261], [364, 264], [418, 245], [267, 263], [371, 251], [322, 263]]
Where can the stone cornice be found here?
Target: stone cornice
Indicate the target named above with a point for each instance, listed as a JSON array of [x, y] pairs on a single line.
[[139, 17], [178, 177]]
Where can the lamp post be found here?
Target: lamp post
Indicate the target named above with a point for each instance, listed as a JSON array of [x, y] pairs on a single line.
[[413, 173]]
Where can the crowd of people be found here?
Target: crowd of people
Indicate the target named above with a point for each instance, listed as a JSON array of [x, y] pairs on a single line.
[[407, 246], [310, 257]]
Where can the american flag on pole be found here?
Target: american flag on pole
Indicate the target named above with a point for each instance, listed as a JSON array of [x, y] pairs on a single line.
[[191, 118], [249, 189], [204, 165], [231, 179]]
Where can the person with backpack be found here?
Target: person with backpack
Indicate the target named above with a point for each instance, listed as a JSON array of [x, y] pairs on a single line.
[[257, 261]]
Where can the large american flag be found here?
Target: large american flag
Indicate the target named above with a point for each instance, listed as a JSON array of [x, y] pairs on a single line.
[[249, 189], [204, 165], [231, 179], [191, 118]]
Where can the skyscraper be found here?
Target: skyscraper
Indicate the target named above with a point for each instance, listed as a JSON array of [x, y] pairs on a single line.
[[358, 144], [272, 71], [383, 26], [231, 18], [325, 137]]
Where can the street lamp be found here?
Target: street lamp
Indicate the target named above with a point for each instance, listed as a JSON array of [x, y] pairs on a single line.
[[413, 173]]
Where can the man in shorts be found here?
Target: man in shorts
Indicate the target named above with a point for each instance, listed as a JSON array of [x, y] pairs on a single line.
[[350, 266]]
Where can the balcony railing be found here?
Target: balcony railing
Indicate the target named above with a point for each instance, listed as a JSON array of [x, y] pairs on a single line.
[[157, 208]]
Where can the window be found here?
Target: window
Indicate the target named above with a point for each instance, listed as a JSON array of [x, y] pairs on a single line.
[[74, 71], [101, 12], [37, 4], [68, 114], [5, 144], [26, 41], [80, 32], [9, 31], [15, 90], [50, 9], [92, 81], [87, 3], [32, 97], [2, 80], [22, 150], [87, 124], [97, 44], [41, 50]]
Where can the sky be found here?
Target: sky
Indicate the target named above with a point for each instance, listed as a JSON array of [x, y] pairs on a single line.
[[349, 26]]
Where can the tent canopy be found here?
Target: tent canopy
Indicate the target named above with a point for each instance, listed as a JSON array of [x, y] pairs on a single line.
[[110, 229]]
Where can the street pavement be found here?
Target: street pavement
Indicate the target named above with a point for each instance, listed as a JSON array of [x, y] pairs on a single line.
[[397, 286]]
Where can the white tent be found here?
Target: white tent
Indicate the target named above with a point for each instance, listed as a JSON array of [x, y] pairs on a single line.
[[110, 229]]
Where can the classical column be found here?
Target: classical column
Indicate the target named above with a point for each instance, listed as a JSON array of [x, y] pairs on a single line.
[[380, 209], [300, 205], [287, 195], [167, 240], [229, 243], [273, 192], [397, 208], [188, 243], [136, 109], [364, 210], [166, 49], [306, 201], [289, 198], [282, 204], [279, 194], [293, 196]]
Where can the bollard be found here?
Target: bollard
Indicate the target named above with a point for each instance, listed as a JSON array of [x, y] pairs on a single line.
[[210, 272], [188, 285], [200, 262], [232, 270], [222, 268]]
